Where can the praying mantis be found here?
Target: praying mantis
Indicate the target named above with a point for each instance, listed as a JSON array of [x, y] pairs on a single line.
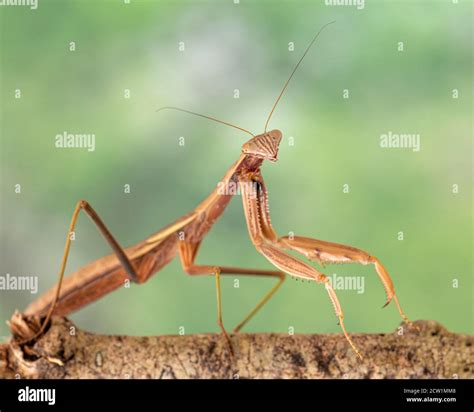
[[184, 237]]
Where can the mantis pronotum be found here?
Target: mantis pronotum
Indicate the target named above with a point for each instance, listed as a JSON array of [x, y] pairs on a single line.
[[184, 236]]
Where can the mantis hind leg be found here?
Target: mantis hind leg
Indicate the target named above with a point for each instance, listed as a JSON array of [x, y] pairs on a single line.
[[118, 250]]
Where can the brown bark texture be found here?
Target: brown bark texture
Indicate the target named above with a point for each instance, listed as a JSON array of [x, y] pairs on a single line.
[[422, 350]]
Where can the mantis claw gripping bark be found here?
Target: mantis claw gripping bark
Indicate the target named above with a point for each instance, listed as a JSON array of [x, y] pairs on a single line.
[[184, 237]]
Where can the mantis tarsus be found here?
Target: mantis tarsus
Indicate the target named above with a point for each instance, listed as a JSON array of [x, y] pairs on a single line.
[[185, 235]]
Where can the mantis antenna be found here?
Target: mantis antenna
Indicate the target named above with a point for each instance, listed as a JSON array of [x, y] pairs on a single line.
[[293, 72], [206, 117]]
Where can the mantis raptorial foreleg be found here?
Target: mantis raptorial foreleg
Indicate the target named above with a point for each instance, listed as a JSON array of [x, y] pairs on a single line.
[[262, 235], [333, 253], [188, 252], [322, 251]]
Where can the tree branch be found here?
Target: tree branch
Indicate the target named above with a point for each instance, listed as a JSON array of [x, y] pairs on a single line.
[[428, 351]]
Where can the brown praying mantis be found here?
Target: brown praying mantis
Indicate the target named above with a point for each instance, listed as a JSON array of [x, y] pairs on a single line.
[[184, 236]]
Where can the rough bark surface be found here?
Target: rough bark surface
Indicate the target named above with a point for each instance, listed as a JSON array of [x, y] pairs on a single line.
[[425, 351]]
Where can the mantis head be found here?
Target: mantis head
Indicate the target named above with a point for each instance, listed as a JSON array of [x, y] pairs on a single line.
[[264, 146]]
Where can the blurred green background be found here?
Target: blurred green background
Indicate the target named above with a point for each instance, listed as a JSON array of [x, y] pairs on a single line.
[[242, 46]]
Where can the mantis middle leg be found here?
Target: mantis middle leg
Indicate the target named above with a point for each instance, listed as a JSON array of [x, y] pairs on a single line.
[[188, 252], [323, 252]]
